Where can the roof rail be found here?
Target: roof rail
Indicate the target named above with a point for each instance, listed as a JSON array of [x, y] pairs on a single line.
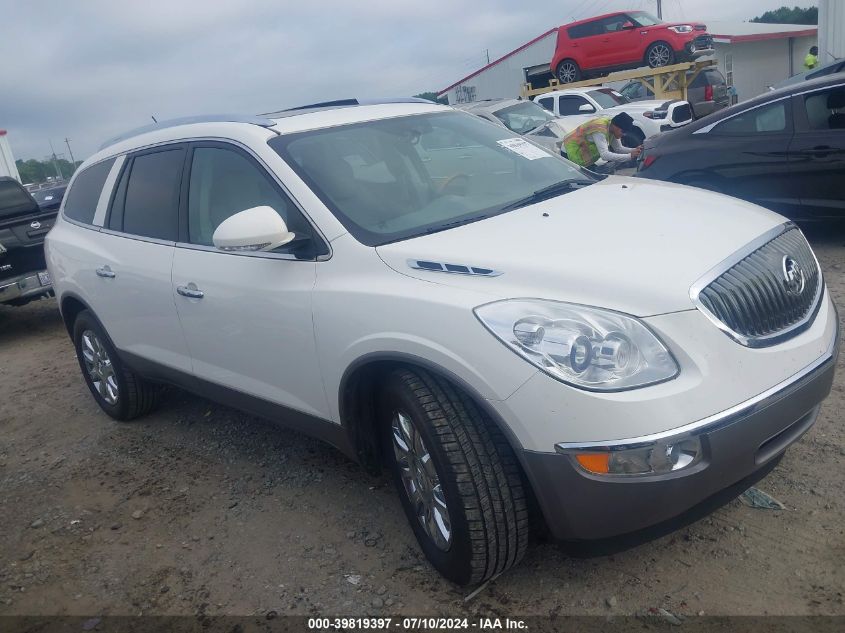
[[343, 103], [204, 118]]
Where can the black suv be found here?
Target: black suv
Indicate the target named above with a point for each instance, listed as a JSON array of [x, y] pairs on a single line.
[[23, 225]]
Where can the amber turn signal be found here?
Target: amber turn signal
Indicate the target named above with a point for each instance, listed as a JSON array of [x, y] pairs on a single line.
[[594, 462]]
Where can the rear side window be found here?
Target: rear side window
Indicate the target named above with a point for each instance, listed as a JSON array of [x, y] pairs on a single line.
[[151, 204], [584, 30], [81, 200]]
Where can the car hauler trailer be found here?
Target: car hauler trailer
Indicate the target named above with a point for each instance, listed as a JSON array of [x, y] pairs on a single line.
[[7, 161], [668, 82]]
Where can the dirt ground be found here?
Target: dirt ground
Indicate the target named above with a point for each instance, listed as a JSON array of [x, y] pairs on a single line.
[[198, 509]]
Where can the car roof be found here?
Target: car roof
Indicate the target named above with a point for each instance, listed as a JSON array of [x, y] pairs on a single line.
[[315, 116], [596, 17], [767, 97], [578, 90], [801, 77]]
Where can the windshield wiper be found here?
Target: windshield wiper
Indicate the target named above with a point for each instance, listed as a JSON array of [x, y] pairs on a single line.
[[555, 189], [454, 223]]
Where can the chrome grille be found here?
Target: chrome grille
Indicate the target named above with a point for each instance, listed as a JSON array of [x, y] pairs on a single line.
[[766, 295]]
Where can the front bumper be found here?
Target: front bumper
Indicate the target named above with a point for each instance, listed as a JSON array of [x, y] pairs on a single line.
[[25, 287], [736, 444]]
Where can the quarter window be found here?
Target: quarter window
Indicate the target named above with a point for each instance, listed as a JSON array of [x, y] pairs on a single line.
[[81, 201], [224, 182], [151, 206], [763, 120]]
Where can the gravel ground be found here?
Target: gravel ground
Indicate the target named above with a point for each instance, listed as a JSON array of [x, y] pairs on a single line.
[[199, 509]]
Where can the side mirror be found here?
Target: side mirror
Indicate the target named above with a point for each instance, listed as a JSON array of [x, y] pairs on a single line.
[[628, 26], [586, 107], [256, 229]]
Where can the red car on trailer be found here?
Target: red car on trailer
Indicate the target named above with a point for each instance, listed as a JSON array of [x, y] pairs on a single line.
[[626, 39]]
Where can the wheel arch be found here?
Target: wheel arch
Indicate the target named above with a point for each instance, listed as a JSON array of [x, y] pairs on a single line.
[[70, 305], [358, 388]]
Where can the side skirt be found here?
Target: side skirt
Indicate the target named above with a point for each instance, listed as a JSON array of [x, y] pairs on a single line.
[[318, 428]]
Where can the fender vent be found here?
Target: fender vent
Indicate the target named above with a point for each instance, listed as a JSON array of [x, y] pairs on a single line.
[[457, 269]]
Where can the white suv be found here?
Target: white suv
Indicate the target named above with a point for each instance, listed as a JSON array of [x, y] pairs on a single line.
[[424, 291]]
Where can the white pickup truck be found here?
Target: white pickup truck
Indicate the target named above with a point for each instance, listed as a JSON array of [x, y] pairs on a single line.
[[577, 105]]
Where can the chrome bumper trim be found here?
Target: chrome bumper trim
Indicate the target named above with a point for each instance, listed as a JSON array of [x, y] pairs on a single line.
[[715, 421]]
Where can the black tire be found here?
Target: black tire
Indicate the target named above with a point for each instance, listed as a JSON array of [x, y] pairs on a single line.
[[477, 471], [660, 54], [568, 71], [134, 395]]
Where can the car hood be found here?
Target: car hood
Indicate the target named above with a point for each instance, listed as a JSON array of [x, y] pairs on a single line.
[[624, 243], [638, 106]]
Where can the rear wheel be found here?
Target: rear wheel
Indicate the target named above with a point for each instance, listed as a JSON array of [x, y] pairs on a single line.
[[659, 54], [117, 389], [458, 479], [568, 71]]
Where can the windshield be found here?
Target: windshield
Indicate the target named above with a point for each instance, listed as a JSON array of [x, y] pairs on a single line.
[[608, 98], [524, 117], [644, 19], [392, 179]]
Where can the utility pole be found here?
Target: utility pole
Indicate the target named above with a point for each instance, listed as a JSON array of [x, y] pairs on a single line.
[[660, 9], [70, 151], [55, 162], [488, 55]]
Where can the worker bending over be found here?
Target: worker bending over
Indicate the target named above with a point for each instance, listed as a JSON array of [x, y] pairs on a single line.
[[601, 139]]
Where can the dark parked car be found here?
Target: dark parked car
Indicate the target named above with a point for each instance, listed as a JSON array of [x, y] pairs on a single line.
[[784, 150], [706, 93], [23, 271], [49, 198]]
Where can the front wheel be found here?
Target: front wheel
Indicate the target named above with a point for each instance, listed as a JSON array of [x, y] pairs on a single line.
[[458, 479], [660, 54], [568, 71]]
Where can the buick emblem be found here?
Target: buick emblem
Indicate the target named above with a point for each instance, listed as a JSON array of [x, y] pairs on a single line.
[[35, 225], [793, 276]]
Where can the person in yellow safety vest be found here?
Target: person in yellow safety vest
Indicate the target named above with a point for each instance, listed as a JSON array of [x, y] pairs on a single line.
[[601, 138], [812, 58]]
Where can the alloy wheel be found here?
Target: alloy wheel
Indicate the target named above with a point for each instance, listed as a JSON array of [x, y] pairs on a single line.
[[659, 55], [420, 480], [99, 367], [567, 72]]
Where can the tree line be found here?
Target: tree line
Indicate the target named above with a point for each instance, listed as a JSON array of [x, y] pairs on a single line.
[[785, 15], [37, 171]]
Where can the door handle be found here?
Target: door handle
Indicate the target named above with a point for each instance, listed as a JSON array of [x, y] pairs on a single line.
[[191, 291], [465, 157], [105, 272]]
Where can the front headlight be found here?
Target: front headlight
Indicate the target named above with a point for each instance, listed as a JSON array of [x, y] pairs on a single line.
[[681, 28], [589, 348]]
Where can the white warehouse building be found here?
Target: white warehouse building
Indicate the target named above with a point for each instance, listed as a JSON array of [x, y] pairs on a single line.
[[752, 56]]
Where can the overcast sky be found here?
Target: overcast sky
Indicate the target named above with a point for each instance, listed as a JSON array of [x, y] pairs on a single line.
[[91, 69]]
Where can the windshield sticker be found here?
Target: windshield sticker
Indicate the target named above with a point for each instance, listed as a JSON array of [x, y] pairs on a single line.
[[524, 148]]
